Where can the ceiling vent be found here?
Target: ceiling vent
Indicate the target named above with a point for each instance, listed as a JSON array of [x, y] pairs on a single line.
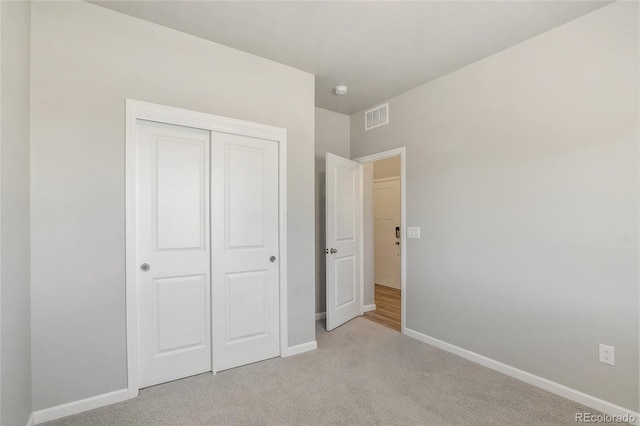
[[376, 117]]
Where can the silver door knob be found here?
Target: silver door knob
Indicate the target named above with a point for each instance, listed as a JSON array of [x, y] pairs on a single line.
[[145, 267], [272, 259], [333, 251]]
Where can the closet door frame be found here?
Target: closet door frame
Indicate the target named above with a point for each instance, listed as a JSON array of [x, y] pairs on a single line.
[[139, 110]]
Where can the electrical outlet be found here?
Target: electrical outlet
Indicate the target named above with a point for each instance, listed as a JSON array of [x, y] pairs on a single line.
[[607, 354]]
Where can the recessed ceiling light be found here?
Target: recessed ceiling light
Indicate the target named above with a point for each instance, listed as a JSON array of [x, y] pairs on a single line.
[[340, 90]]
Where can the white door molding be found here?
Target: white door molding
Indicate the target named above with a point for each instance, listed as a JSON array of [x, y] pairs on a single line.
[[138, 110], [397, 152]]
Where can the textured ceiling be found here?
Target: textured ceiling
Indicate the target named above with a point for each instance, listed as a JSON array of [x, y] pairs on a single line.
[[378, 49]]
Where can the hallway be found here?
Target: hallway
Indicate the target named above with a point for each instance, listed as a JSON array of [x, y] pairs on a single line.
[[388, 307]]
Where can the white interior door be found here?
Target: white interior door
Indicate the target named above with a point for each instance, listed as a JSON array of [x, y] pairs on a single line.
[[172, 252], [386, 217], [343, 238], [245, 250]]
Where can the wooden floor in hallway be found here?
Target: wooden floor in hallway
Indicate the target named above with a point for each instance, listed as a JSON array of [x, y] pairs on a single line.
[[388, 307]]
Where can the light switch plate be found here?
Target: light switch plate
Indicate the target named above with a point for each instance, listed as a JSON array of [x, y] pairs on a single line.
[[413, 232]]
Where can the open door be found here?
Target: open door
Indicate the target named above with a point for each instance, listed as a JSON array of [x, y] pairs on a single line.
[[343, 216]]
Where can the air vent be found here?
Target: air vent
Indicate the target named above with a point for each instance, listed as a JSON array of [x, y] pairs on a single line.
[[376, 117]]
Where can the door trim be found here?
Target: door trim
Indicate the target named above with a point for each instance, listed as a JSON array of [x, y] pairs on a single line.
[[397, 152], [139, 110]]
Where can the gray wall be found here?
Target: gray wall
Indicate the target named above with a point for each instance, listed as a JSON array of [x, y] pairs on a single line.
[[332, 135], [85, 61], [522, 170], [15, 392]]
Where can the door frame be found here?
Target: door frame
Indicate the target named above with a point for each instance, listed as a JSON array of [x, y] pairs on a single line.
[[397, 152], [139, 110]]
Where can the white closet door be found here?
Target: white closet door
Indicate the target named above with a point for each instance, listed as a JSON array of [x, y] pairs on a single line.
[[173, 252], [244, 224]]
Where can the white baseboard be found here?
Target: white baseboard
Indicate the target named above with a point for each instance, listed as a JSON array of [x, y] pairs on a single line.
[[298, 349], [368, 308], [532, 379], [31, 421], [76, 407], [321, 316]]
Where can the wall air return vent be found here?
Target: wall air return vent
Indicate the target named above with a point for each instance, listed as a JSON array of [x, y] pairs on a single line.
[[376, 117]]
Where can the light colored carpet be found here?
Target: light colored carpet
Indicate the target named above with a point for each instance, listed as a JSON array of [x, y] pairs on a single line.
[[362, 374]]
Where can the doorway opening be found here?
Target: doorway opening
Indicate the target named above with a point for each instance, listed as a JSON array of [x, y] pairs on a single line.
[[382, 225], [350, 266], [384, 238]]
